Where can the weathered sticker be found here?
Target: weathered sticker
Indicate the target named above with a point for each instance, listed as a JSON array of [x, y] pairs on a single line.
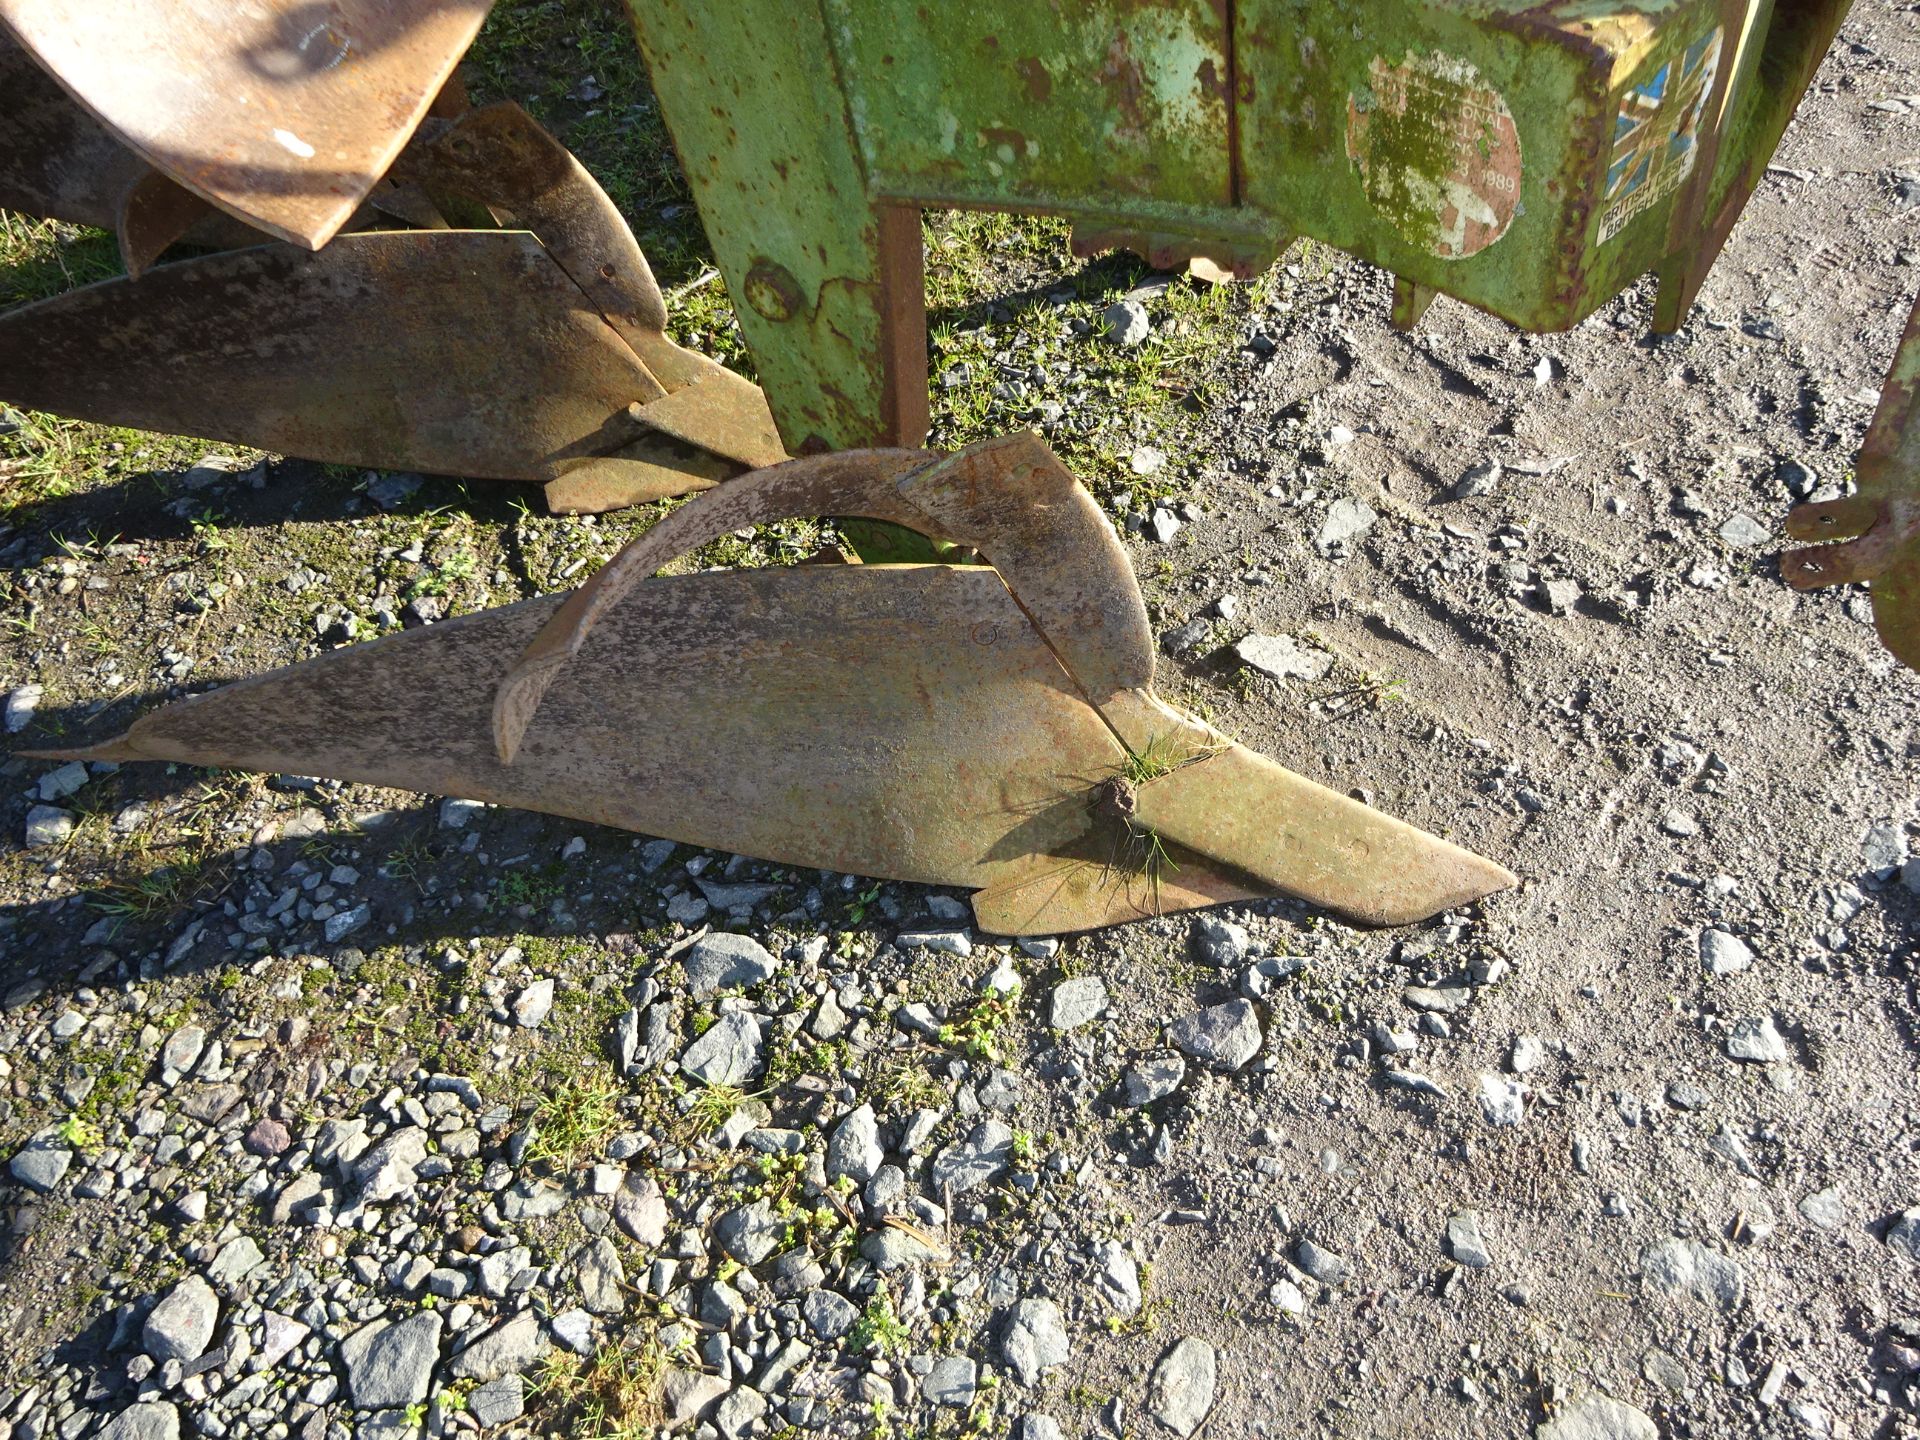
[[1437, 151], [1656, 134]]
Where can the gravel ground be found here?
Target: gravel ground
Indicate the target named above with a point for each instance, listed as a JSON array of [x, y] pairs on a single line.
[[330, 1111]]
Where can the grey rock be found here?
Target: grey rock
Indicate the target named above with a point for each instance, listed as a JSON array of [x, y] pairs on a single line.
[[739, 1412], [455, 813], [533, 1004], [339, 926], [1743, 532], [149, 1420], [1037, 1427], [1034, 1339], [182, 1050], [854, 1149], [1076, 1002], [1597, 1417], [47, 825], [599, 1276], [70, 779], [1884, 848], [40, 1166], [1324, 1265], [750, 1233], [1146, 1081], [1283, 657], [1687, 1269], [237, 1259], [209, 1103], [890, 1249], [512, 1347], [390, 1365], [1826, 1208], [1478, 480], [389, 1169], [1438, 999], [181, 1325], [1722, 953], [722, 1306], [723, 961], [22, 701], [1219, 943], [1465, 1242], [1180, 1391], [499, 1402], [951, 1382], [1419, 1084], [944, 942], [1756, 1041], [974, 1161], [1685, 1095], [685, 1394], [1118, 1276], [1125, 323], [640, 1209], [1904, 1234], [1503, 1101], [1223, 1037], [1347, 520], [728, 1054], [828, 1314]]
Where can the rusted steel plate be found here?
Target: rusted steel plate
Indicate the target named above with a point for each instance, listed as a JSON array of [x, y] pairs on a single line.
[[1880, 523], [503, 157], [56, 160], [920, 722], [461, 352], [894, 721], [283, 114], [846, 716]]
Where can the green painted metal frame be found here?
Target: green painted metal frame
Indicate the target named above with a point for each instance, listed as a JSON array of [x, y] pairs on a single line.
[[1485, 149]]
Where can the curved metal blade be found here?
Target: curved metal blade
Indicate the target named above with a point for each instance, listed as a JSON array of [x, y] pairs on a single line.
[[56, 160], [283, 114], [460, 352]]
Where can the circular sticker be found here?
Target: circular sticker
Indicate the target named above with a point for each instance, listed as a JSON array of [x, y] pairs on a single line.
[[1437, 151]]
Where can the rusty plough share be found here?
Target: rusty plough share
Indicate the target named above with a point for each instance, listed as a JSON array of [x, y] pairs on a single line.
[[991, 726], [959, 725]]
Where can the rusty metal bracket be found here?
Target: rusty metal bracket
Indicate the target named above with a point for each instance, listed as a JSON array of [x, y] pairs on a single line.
[[1878, 526]]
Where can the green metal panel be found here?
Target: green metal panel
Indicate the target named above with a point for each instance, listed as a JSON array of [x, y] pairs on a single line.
[[1043, 103], [751, 96], [1530, 159]]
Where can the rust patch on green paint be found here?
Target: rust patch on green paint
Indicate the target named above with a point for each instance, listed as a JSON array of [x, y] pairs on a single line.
[[1438, 152]]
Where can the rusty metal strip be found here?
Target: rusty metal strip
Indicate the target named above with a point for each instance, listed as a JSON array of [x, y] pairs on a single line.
[[282, 114], [852, 482]]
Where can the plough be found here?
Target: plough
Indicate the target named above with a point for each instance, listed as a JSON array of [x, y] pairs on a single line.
[[988, 725]]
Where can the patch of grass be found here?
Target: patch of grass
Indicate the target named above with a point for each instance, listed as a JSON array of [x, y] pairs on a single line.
[[977, 1033], [879, 1330], [712, 1106], [82, 1135], [575, 1118], [612, 1395], [535, 888]]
